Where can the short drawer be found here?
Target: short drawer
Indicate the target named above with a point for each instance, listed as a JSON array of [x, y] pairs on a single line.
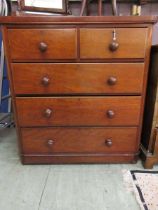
[[79, 140], [97, 43], [78, 78], [42, 44], [71, 111]]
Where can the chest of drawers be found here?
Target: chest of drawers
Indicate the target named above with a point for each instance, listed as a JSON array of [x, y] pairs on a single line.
[[78, 86]]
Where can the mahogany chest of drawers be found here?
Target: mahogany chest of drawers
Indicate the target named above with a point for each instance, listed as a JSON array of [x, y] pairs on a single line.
[[78, 86]]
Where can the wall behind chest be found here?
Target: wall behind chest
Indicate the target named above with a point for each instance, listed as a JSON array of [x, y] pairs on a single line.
[[123, 9]]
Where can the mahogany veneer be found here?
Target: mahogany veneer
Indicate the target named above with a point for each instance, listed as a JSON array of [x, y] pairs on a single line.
[[102, 140], [130, 44], [27, 44], [78, 111], [79, 78], [78, 86]]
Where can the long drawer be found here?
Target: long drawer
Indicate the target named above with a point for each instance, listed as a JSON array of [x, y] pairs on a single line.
[[78, 78], [79, 140], [43, 44], [75, 111], [96, 43]]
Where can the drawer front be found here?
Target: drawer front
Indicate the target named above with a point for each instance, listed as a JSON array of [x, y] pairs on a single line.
[[96, 43], [77, 78], [79, 140], [42, 44], [73, 111]]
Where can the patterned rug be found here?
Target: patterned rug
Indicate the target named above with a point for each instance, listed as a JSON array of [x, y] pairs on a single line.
[[144, 184]]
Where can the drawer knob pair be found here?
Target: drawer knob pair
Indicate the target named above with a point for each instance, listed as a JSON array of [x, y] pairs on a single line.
[[108, 142], [48, 113], [43, 46], [112, 80], [45, 81]]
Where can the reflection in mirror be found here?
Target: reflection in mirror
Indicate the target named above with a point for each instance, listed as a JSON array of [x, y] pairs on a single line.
[[50, 6], [45, 4]]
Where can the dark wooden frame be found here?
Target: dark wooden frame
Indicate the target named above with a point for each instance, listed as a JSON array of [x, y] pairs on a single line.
[[149, 142], [41, 9]]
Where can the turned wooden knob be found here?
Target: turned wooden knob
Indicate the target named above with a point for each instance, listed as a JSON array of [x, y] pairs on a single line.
[[114, 46], [48, 113], [110, 114], [43, 46], [112, 80], [45, 81], [108, 142], [50, 142]]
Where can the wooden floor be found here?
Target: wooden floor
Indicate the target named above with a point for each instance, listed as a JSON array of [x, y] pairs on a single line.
[[60, 187]]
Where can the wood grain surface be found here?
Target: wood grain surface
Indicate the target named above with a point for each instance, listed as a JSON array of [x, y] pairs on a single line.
[[61, 43], [78, 78], [78, 140], [94, 43], [76, 111]]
